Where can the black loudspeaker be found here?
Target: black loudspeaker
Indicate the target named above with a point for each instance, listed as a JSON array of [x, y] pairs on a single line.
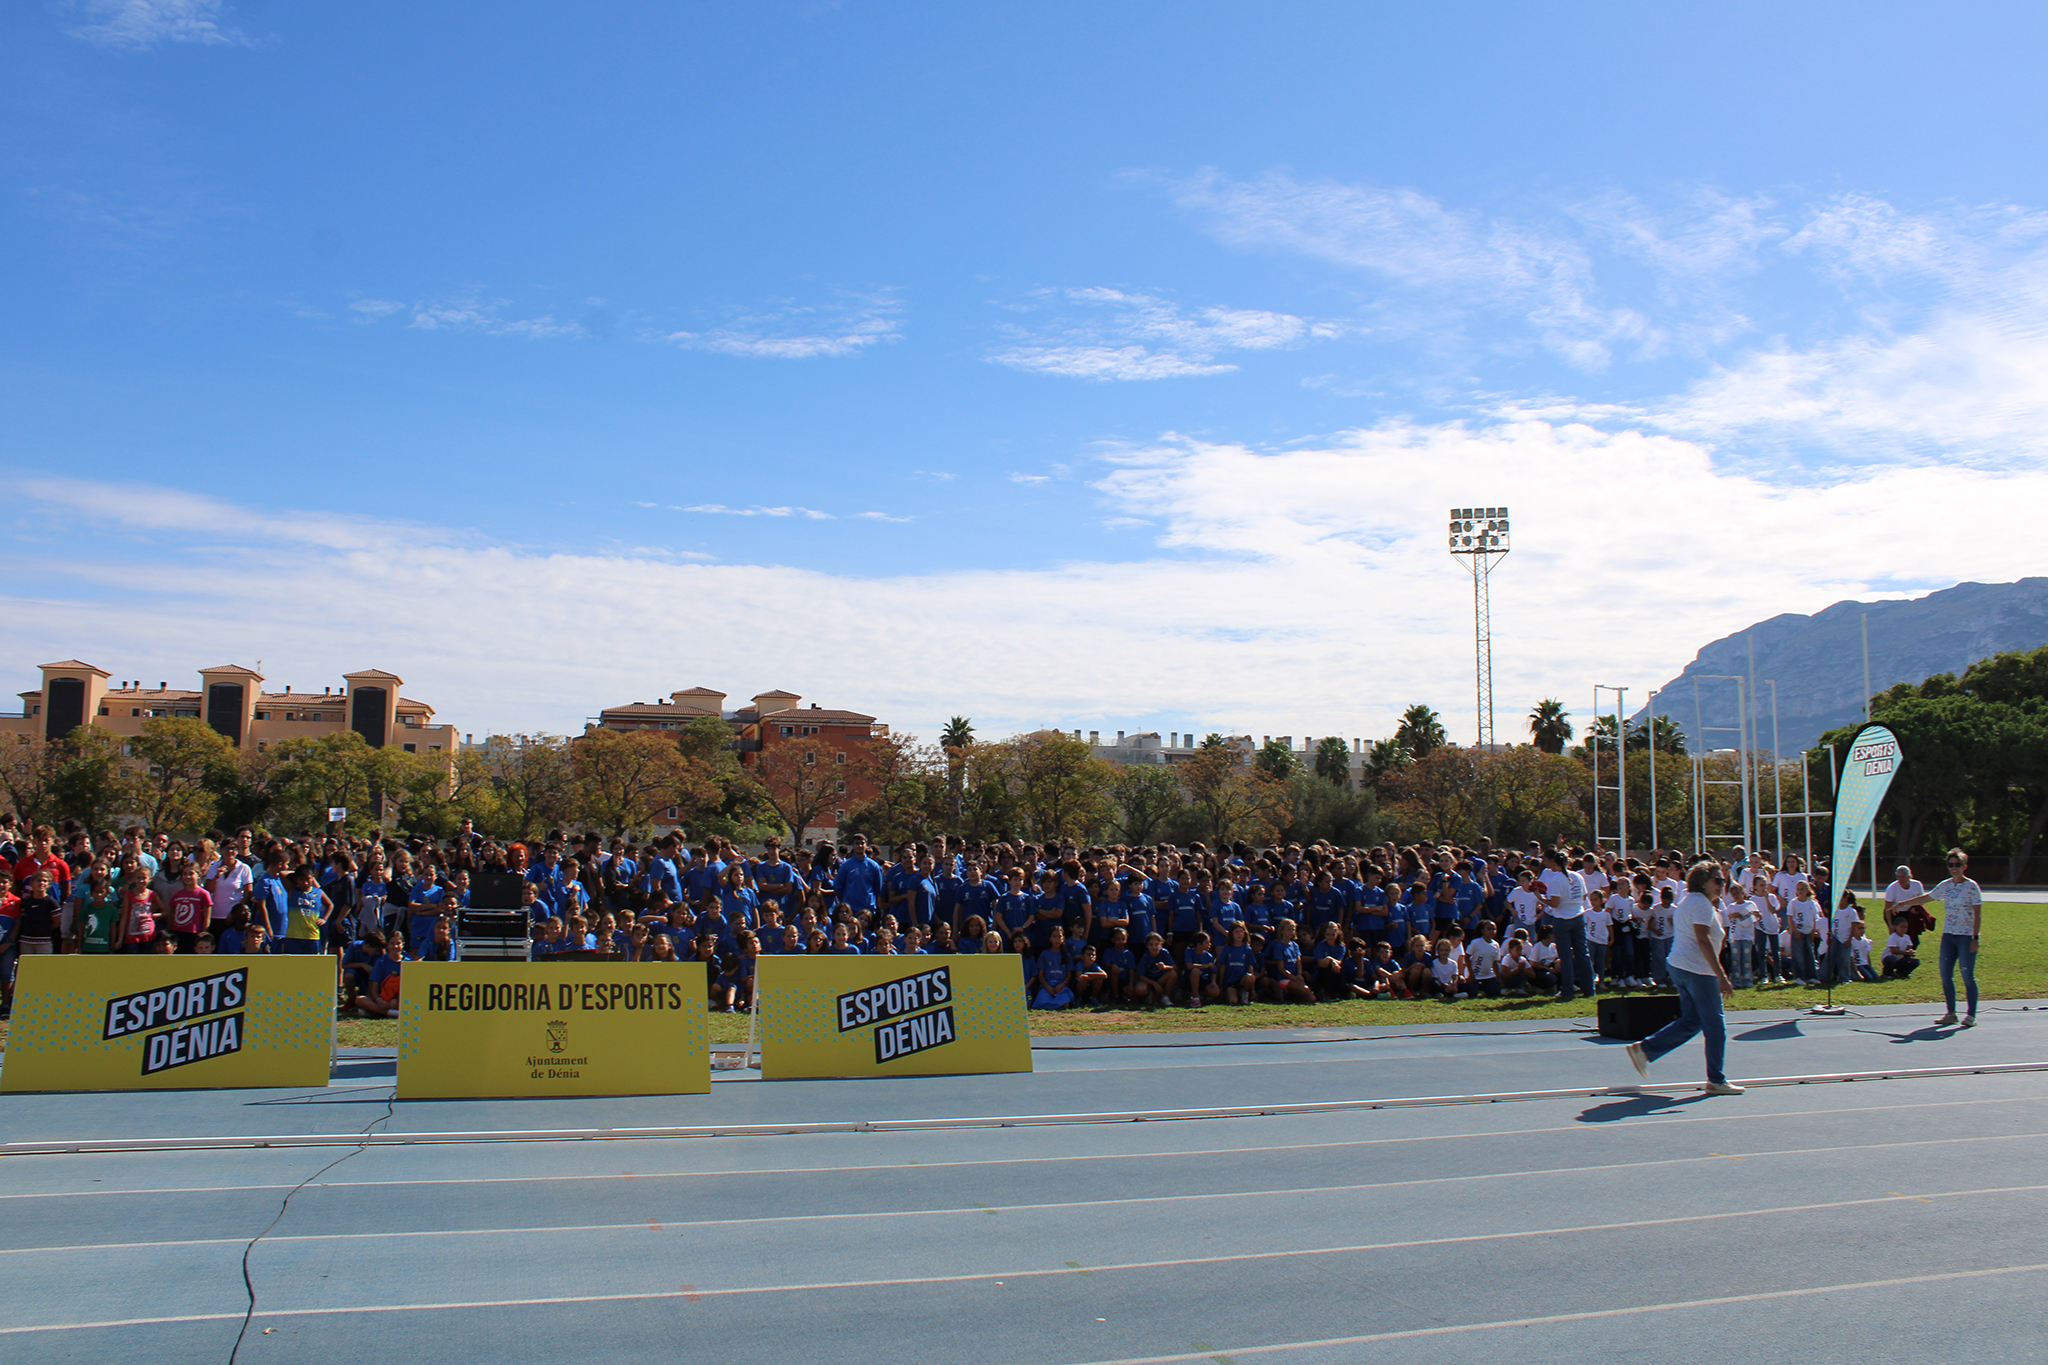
[[1632, 1018], [494, 891]]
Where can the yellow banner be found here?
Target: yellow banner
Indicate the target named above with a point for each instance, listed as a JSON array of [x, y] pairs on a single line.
[[481, 1030], [892, 1016], [185, 1022]]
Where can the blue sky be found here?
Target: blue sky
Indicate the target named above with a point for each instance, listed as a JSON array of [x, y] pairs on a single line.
[[1109, 367]]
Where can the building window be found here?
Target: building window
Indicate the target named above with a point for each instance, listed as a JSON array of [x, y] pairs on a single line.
[[134, 710], [315, 715], [291, 715], [810, 757], [841, 788], [788, 730], [262, 745], [412, 748], [839, 758], [263, 715], [433, 748], [839, 816], [103, 710]]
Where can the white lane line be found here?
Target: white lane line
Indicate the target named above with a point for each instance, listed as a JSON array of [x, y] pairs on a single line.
[[1177, 1263], [969, 1121], [1591, 1315], [1582, 1127], [678, 1224]]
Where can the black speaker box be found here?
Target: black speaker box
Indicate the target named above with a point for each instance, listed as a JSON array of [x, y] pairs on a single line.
[[1632, 1018], [494, 891]]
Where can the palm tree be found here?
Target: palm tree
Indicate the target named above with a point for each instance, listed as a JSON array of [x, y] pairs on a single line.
[[1385, 757], [1550, 727], [954, 740], [1420, 730]]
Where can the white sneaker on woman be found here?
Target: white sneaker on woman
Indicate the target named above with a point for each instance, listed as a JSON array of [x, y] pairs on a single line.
[[1723, 1088], [1639, 1059]]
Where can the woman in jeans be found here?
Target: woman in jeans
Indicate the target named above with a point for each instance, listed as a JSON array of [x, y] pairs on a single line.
[[1959, 929], [1696, 973]]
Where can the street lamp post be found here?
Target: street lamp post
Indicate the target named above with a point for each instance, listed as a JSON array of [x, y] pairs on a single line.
[[1479, 536]]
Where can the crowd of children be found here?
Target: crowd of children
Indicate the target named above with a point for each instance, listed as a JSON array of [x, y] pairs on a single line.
[[1101, 927]]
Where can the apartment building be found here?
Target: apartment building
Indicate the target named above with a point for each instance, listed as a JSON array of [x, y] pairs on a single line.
[[232, 700]]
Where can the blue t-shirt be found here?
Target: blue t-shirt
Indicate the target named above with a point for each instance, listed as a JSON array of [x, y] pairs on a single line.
[[1188, 908], [858, 883], [1197, 958], [1120, 960], [1053, 969], [1240, 960], [1284, 959], [1155, 965]]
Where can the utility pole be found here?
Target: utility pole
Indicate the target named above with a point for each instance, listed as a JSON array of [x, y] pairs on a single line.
[[1479, 535]]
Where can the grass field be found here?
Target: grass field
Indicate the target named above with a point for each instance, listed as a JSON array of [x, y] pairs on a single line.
[[2013, 965]]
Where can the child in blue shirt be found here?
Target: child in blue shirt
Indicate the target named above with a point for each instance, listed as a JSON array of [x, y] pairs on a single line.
[[1200, 965], [1157, 976], [1283, 966], [1053, 971], [1122, 965], [1328, 963], [1091, 980], [1238, 966]]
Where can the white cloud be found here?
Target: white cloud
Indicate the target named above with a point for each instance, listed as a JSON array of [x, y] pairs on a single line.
[[486, 315], [879, 516], [1031, 478], [1120, 335], [135, 24], [369, 310], [845, 327], [1302, 590], [720, 509]]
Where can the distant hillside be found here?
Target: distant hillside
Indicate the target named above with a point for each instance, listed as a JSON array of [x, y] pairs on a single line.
[[1818, 659]]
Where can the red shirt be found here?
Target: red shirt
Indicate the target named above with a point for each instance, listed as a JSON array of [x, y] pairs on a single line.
[[59, 870], [190, 909]]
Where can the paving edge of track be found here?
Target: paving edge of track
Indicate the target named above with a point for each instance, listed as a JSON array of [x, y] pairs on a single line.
[[360, 1138]]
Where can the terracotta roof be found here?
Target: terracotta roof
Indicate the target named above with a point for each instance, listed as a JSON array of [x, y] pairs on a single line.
[[814, 715], [698, 692], [68, 664], [180, 692], [654, 708], [376, 673], [778, 692], [231, 668], [333, 699]]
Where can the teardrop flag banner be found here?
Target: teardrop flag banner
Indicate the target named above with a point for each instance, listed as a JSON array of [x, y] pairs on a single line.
[[1874, 759]]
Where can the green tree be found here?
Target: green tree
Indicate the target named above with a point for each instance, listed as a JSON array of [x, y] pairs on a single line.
[[525, 785], [310, 776], [1437, 797], [94, 783], [28, 769], [1384, 759], [1147, 798], [624, 779], [1550, 726], [1323, 809], [953, 742], [1276, 760], [1333, 761], [1062, 788], [909, 782], [1233, 800], [1420, 732], [184, 759], [1530, 793]]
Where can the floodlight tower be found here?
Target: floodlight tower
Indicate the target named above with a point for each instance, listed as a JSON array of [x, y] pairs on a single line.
[[1479, 535]]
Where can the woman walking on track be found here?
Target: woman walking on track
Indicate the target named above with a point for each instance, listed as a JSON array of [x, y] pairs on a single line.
[[1696, 972]]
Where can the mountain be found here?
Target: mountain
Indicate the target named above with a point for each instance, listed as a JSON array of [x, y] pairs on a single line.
[[1818, 659]]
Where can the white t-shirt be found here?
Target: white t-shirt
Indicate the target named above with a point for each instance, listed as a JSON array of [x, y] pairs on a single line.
[[1741, 919], [1542, 954], [1526, 908], [1657, 920], [1620, 909], [1596, 881], [1444, 969], [1894, 893], [1598, 924], [1786, 883], [228, 879], [1859, 950], [1481, 955], [1805, 916], [1570, 890], [1965, 903], [1844, 920], [1695, 909], [1899, 945], [1767, 916]]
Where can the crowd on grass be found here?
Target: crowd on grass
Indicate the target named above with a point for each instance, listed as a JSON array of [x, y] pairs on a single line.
[[1093, 927]]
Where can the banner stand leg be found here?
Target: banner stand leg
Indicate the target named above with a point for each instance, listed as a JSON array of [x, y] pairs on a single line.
[[753, 1013]]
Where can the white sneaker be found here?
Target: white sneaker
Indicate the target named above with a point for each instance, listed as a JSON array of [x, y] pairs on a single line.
[[1639, 1059], [1945, 1019], [1723, 1088], [1969, 1021]]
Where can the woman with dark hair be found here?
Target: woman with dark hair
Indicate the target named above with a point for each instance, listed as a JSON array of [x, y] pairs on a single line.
[[1696, 973]]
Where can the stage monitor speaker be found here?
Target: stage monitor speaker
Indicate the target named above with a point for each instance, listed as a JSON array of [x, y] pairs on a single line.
[[494, 891], [1632, 1018]]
